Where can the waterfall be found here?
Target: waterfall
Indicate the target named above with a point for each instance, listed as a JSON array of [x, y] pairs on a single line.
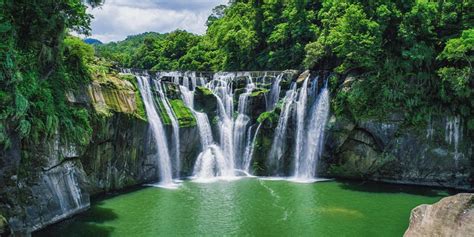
[[228, 148], [279, 138], [158, 132], [221, 86], [314, 137], [300, 120], [274, 93], [250, 149], [174, 124], [211, 162], [240, 124]]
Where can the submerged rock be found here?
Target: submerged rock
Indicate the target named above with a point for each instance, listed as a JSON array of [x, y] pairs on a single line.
[[452, 216]]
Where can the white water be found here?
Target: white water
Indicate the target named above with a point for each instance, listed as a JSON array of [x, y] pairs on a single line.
[[249, 150], [158, 132], [314, 137], [211, 162], [274, 93], [230, 155], [453, 135], [240, 124], [300, 121], [174, 125], [279, 138]]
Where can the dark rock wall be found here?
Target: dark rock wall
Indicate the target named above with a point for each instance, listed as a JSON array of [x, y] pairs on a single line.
[[438, 155]]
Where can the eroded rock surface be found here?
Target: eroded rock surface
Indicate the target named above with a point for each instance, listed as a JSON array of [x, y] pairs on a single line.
[[452, 216]]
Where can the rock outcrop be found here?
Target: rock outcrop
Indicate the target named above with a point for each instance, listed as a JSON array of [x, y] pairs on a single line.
[[438, 155], [452, 216]]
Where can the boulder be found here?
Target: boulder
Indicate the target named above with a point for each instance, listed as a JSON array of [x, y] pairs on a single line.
[[452, 216], [302, 76]]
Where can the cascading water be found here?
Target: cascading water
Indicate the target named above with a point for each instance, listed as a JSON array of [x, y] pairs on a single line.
[[279, 143], [249, 150], [211, 161], [233, 150], [240, 125], [274, 92], [300, 120], [305, 169], [221, 86], [175, 125], [158, 132]]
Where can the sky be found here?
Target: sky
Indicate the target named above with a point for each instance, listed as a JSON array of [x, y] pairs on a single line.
[[117, 19]]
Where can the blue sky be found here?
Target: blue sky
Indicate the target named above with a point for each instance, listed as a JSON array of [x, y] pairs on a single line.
[[117, 19]]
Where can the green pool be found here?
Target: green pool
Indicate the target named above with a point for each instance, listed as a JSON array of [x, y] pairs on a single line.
[[253, 207]]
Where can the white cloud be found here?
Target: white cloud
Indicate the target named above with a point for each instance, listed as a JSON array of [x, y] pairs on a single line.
[[117, 19]]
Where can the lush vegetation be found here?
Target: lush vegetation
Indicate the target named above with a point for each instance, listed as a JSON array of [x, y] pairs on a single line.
[[409, 57], [39, 63]]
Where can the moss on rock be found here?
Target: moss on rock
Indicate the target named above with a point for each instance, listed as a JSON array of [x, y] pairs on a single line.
[[116, 93], [205, 101], [183, 114], [259, 92]]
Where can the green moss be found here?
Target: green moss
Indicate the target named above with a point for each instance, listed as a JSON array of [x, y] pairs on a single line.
[[270, 116], [215, 120], [204, 91], [184, 115], [259, 92], [140, 113], [205, 101], [165, 118]]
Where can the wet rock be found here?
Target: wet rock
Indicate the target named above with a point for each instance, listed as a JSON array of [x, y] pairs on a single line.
[[452, 216], [302, 76], [256, 104], [384, 150], [205, 101], [190, 148]]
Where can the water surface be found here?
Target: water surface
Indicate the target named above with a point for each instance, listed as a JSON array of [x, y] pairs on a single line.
[[253, 207]]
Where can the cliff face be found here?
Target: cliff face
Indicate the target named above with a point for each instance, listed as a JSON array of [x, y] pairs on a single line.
[[438, 155]]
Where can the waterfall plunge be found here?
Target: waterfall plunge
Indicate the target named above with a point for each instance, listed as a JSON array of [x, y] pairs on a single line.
[[163, 157], [306, 165]]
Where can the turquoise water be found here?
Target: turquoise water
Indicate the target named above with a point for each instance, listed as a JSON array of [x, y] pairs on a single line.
[[253, 207]]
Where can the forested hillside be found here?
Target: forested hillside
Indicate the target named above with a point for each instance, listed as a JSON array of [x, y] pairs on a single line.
[[414, 57]]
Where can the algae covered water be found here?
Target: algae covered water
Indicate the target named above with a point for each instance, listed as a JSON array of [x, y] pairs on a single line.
[[253, 207]]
